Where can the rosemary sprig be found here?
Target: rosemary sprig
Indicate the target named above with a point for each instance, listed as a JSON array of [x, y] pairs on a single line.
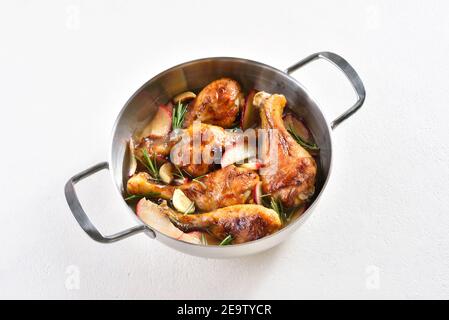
[[180, 173], [292, 211], [149, 195], [143, 163], [200, 182], [284, 214], [151, 165], [179, 112], [226, 241], [276, 205], [190, 207], [301, 142], [133, 197], [266, 200]]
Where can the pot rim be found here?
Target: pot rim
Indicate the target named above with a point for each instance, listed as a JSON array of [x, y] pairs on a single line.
[[285, 229]]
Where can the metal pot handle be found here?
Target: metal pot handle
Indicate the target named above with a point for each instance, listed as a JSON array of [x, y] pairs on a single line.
[[83, 219], [349, 72]]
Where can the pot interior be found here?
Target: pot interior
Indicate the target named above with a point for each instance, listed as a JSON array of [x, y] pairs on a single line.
[[195, 75]]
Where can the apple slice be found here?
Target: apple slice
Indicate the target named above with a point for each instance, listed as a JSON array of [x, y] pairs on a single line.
[[257, 193], [237, 153], [249, 114], [252, 164], [191, 237], [132, 159], [160, 125], [150, 213], [290, 121]]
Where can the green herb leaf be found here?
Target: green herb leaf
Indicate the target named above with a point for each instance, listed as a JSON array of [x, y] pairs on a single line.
[[190, 207], [291, 212], [148, 195], [133, 197], [226, 241], [179, 173], [276, 205], [143, 163], [179, 112], [199, 182], [152, 195], [151, 165], [301, 142]]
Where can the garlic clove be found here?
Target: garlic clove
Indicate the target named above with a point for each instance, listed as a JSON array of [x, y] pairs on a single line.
[[188, 95], [166, 172], [182, 203]]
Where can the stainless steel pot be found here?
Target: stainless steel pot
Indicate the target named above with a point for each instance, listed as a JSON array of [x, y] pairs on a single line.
[[194, 75]]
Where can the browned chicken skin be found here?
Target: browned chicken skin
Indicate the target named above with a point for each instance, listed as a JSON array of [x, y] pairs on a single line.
[[199, 146], [218, 104], [158, 147], [290, 171], [225, 187], [206, 140], [141, 184], [245, 222]]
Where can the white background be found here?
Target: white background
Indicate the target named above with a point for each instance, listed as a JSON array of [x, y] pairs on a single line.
[[381, 229]]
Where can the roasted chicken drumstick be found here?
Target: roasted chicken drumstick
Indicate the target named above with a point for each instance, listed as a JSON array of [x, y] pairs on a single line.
[[290, 171], [225, 187], [218, 104], [245, 222]]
